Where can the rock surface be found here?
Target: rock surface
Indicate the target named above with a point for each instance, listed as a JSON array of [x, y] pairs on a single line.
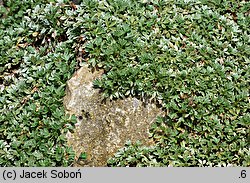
[[104, 126]]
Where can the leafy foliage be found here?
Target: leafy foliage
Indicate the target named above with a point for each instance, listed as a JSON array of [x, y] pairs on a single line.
[[192, 57], [35, 65]]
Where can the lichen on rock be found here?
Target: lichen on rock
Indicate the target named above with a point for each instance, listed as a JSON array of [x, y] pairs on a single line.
[[104, 126]]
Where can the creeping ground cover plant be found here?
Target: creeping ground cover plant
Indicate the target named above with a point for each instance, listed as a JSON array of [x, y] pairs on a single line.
[[190, 57], [36, 60]]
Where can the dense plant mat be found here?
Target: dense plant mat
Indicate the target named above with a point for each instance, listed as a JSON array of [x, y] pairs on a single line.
[[192, 57], [36, 60]]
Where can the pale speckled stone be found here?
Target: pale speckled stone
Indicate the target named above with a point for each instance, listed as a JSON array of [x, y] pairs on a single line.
[[105, 126]]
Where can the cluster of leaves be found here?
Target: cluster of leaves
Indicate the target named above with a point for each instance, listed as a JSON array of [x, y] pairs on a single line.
[[36, 60], [213, 144], [193, 57]]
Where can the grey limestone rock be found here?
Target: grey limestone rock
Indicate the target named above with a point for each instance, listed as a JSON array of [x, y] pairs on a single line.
[[104, 126]]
